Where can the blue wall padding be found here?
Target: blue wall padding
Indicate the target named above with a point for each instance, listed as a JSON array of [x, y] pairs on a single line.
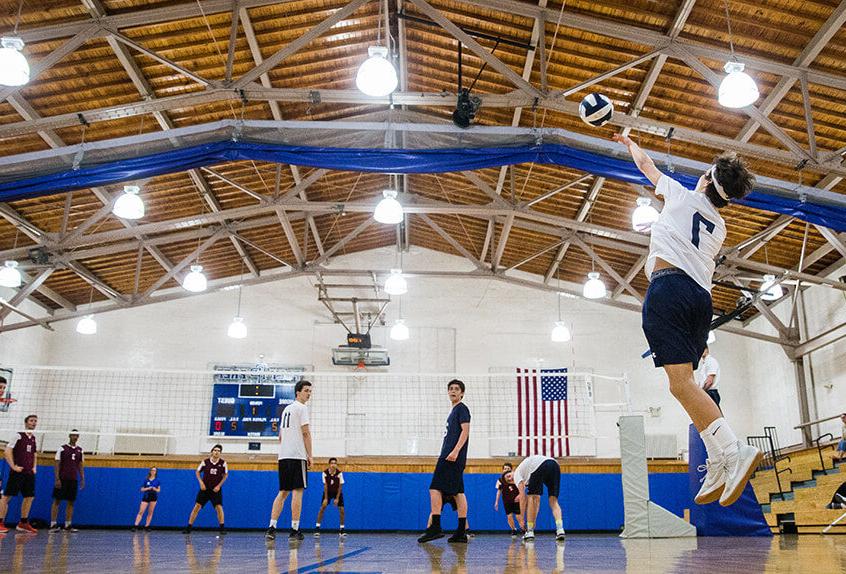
[[743, 518], [374, 501], [385, 161]]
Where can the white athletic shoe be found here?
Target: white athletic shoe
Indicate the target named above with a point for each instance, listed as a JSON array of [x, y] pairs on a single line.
[[560, 535], [529, 536], [740, 465], [713, 482]]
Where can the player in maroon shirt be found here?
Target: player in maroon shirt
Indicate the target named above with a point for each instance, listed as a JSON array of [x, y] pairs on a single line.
[[211, 474], [70, 477], [333, 484], [509, 490], [20, 456]]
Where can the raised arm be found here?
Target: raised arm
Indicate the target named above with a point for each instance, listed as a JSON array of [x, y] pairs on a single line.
[[643, 162]]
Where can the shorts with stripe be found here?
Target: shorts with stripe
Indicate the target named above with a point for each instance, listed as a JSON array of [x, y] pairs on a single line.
[[292, 474]]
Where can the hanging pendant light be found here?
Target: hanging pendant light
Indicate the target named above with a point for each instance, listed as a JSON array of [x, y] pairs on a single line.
[[594, 288], [388, 210], [399, 330], [237, 329], [87, 326], [377, 76], [14, 69], [770, 289], [738, 89], [560, 333], [396, 284], [644, 215], [195, 281], [129, 205], [9, 275]]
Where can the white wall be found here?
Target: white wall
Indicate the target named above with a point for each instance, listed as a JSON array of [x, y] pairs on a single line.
[[457, 326]]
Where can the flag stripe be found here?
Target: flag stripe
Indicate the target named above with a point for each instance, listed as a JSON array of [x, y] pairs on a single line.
[[519, 413], [560, 449], [543, 427], [535, 406]]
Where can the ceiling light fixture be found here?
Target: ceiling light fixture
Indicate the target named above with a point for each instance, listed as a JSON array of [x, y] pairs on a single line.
[[771, 290], [10, 276], [399, 331], [195, 281], [594, 288], [644, 215], [129, 204], [396, 284], [738, 89], [388, 210], [87, 326]]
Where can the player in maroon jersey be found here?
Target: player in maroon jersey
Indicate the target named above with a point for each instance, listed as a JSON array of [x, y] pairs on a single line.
[[509, 491], [20, 456], [70, 477], [333, 484], [211, 474]]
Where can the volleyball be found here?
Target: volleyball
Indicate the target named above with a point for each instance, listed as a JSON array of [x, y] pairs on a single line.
[[596, 110]]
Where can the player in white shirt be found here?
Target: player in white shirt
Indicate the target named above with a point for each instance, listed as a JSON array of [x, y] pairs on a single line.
[[709, 376], [294, 460], [677, 311], [531, 476]]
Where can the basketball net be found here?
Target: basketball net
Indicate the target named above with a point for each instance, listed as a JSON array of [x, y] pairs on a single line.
[[360, 372]]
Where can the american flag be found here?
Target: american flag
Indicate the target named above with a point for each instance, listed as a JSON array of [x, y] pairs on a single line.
[[542, 420]]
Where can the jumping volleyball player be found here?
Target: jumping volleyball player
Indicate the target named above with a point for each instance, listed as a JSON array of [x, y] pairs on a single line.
[[677, 311]]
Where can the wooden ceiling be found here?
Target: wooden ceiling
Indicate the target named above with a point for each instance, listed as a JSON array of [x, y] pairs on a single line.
[[104, 71]]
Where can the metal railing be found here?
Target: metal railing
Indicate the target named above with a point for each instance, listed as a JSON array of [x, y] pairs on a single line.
[[821, 447], [767, 444]]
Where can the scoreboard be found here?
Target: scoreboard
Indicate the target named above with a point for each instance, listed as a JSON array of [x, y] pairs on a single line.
[[248, 401]]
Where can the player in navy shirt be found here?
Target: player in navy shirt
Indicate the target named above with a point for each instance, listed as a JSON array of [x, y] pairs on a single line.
[[149, 497], [70, 476], [211, 474], [20, 456], [448, 478]]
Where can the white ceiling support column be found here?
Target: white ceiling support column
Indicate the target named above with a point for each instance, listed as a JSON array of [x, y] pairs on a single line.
[[300, 43], [340, 244], [630, 275], [54, 57], [25, 291], [189, 259], [460, 35], [581, 215], [503, 239], [292, 237], [539, 40], [834, 239], [452, 241], [276, 111], [834, 23], [496, 199]]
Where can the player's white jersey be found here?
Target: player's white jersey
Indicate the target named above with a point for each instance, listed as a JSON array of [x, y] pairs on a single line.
[[293, 418], [688, 234]]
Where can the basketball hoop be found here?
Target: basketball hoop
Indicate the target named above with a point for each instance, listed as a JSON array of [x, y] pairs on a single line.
[[360, 372]]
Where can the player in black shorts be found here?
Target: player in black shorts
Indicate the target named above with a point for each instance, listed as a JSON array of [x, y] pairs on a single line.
[[70, 477], [509, 491], [448, 478], [149, 498], [333, 485], [211, 474]]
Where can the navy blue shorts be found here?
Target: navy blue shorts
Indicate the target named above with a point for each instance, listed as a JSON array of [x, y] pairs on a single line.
[[677, 315], [547, 474], [448, 477]]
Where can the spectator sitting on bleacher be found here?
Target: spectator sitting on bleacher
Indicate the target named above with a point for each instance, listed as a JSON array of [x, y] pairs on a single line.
[[839, 498], [841, 446]]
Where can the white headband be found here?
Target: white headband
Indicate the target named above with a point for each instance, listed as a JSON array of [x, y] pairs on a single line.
[[720, 191]]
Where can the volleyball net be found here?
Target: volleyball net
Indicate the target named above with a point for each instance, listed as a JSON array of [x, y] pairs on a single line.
[[515, 412]]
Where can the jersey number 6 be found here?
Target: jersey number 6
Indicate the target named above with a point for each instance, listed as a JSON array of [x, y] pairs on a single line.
[[699, 221]]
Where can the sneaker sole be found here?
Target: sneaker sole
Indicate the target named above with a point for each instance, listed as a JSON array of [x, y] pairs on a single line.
[[741, 486], [424, 540], [712, 496]]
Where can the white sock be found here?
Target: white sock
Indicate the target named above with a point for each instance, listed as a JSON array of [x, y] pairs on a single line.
[[720, 432], [295, 525], [67, 524], [52, 524], [342, 526], [272, 524], [712, 447]]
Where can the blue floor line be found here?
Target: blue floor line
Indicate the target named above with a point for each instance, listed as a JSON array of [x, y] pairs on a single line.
[[316, 565]]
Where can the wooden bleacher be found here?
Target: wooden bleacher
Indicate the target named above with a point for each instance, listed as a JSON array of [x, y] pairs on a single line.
[[805, 493]]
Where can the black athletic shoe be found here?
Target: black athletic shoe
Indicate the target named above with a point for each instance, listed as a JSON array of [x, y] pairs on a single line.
[[270, 533], [459, 537], [147, 529], [514, 533], [187, 530], [70, 528], [296, 535], [221, 532], [430, 534], [134, 529]]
